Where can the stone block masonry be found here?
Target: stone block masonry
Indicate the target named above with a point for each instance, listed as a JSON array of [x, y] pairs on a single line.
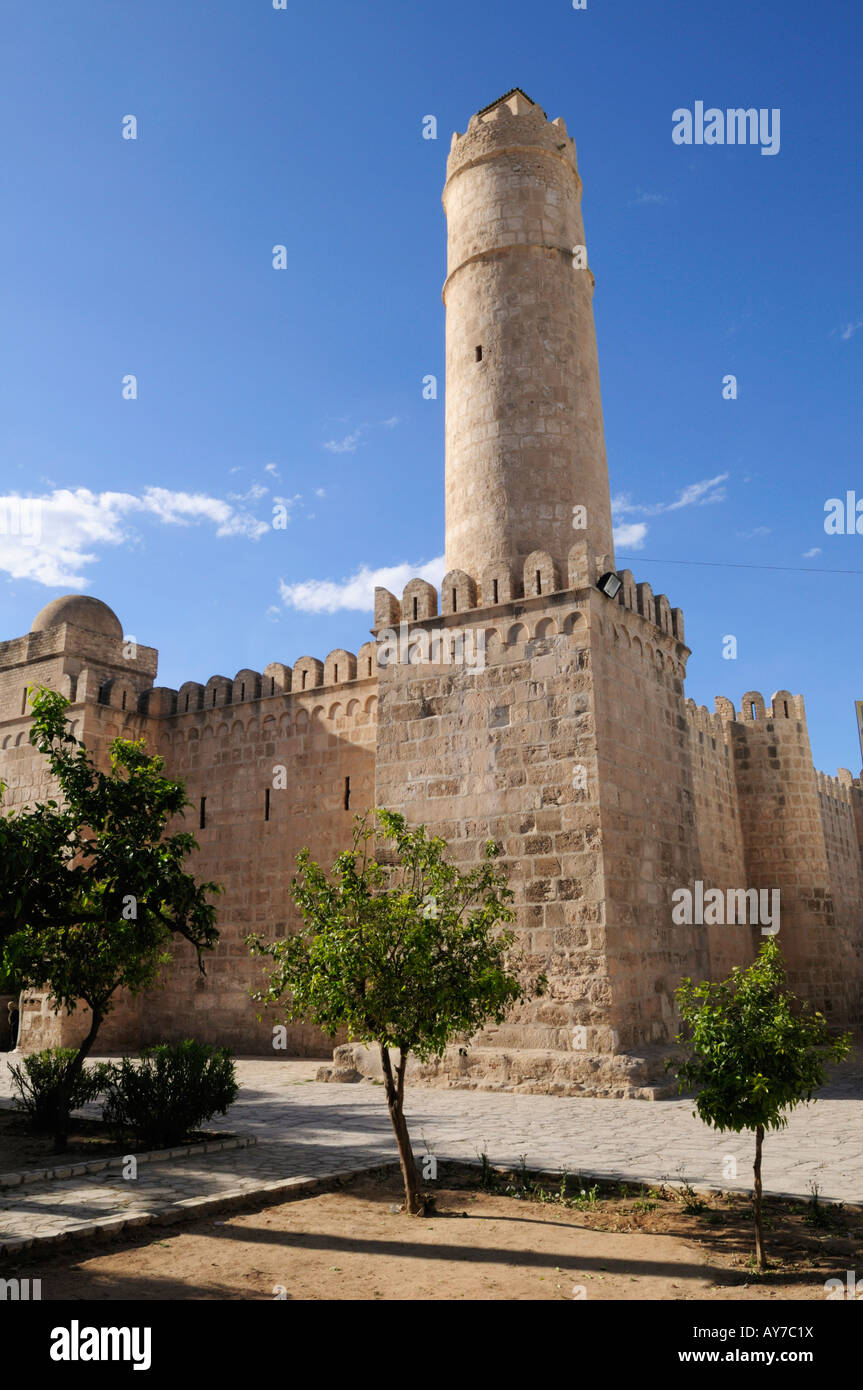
[[555, 723]]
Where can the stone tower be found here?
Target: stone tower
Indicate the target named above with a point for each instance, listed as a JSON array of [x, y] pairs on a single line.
[[520, 703], [524, 432]]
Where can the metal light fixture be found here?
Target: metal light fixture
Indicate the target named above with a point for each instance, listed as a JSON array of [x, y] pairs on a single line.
[[609, 584]]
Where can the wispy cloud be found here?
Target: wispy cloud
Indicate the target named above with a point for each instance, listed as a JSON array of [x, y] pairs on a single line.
[[272, 469], [391, 423], [701, 494], [347, 445], [811, 554], [631, 534], [657, 198], [357, 592], [254, 494], [849, 329], [74, 522], [753, 535]]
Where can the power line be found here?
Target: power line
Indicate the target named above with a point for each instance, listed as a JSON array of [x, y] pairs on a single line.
[[727, 565]]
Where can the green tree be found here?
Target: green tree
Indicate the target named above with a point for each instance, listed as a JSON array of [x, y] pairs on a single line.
[[757, 1051], [92, 890], [403, 955]]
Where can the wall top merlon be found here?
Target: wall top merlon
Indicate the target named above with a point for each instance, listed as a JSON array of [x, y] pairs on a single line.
[[513, 120], [307, 676], [537, 577], [842, 787], [753, 708]]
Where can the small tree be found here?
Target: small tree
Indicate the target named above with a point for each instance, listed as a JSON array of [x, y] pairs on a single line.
[[757, 1051], [92, 890], [404, 955]]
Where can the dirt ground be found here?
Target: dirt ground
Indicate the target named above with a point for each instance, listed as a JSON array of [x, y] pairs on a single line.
[[354, 1243]]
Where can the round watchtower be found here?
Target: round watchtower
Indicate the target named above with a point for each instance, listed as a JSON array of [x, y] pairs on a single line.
[[524, 433]]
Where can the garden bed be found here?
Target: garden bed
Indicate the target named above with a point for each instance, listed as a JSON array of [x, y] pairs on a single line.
[[89, 1138]]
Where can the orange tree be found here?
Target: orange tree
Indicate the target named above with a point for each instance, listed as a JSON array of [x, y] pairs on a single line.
[[406, 956], [756, 1052]]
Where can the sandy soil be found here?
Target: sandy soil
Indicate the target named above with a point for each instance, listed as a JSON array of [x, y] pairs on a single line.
[[354, 1243]]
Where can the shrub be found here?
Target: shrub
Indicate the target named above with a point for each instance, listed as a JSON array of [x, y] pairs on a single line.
[[170, 1091], [40, 1082]]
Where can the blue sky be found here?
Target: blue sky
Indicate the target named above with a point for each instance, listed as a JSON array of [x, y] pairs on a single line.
[[303, 127]]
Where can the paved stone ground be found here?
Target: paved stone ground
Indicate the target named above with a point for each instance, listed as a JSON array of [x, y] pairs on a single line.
[[309, 1129]]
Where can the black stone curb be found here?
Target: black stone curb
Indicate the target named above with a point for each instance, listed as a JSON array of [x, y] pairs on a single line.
[[99, 1165]]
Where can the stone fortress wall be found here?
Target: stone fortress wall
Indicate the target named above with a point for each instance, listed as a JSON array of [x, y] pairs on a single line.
[[520, 704]]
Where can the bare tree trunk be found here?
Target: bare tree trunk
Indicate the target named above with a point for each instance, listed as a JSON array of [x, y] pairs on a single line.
[[414, 1203], [759, 1228], [61, 1127]]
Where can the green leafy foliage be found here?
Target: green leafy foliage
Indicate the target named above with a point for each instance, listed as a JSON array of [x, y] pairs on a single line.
[[92, 889], [403, 955], [170, 1091], [406, 954], [38, 1085], [757, 1051]]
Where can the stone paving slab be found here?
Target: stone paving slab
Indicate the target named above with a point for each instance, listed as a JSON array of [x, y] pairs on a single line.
[[307, 1130]]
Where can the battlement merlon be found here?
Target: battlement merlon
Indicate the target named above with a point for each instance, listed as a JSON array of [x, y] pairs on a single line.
[[537, 578], [512, 120], [341, 669]]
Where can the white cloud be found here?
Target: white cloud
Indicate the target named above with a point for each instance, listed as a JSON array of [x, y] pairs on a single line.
[[695, 495], [69, 524], [357, 592], [272, 469], [254, 494], [811, 554], [651, 198], [391, 423], [849, 329], [630, 534], [348, 445]]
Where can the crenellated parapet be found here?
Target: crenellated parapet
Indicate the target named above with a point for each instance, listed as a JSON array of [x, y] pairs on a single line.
[[754, 710], [308, 673], [843, 787], [654, 608], [705, 721], [502, 585]]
